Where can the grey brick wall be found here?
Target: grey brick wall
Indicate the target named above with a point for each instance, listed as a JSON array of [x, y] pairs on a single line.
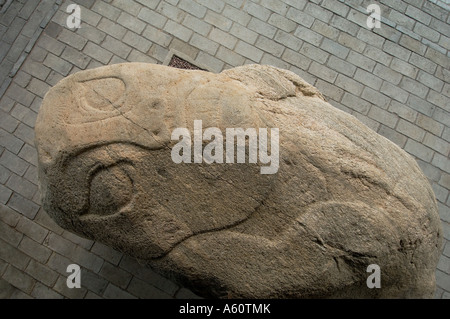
[[394, 79]]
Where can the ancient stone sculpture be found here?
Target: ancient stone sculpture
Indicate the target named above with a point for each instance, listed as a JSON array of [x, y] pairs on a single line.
[[342, 198]]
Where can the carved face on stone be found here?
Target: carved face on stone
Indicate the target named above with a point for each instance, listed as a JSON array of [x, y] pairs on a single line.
[[110, 139], [343, 198]]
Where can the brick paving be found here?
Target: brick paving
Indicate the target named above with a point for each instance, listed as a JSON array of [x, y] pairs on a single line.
[[394, 79]]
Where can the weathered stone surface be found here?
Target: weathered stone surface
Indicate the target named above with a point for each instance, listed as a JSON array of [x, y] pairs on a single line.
[[343, 198]]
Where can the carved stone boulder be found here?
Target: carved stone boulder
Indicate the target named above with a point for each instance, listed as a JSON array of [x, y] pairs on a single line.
[[340, 197]]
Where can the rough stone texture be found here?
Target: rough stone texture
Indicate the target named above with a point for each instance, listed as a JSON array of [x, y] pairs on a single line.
[[343, 198]]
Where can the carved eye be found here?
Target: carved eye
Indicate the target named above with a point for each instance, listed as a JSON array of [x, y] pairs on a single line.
[[111, 188], [103, 94]]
